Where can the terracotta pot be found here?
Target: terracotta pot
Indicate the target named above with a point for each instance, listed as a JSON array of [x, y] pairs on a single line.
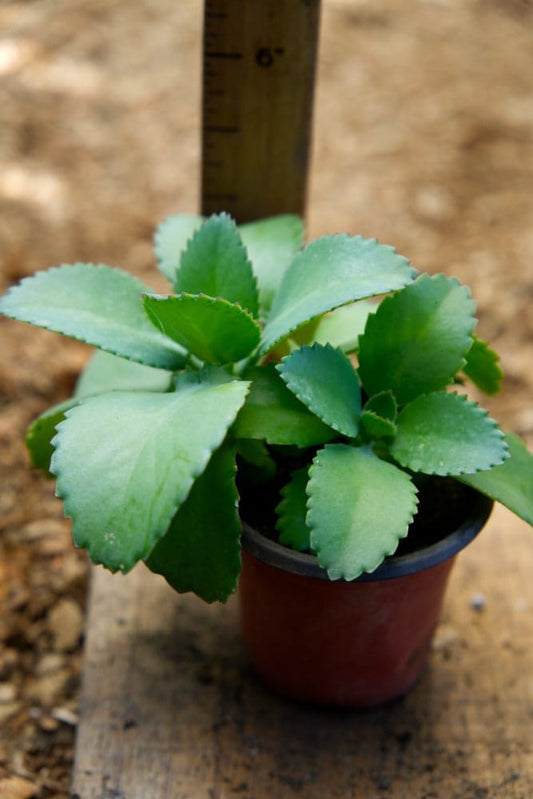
[[354, 644]]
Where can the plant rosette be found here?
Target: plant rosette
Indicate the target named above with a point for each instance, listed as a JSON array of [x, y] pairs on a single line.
[[315, 391]]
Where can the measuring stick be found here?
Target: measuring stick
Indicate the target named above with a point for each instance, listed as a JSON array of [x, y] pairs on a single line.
[[258, 80]]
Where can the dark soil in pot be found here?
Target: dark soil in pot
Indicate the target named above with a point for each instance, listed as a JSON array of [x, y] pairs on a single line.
[[443, 504]]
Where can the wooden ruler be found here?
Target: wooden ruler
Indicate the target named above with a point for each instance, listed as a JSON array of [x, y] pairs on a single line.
[[258, 80]]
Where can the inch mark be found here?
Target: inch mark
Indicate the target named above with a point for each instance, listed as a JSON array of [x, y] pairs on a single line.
[[219, 54]]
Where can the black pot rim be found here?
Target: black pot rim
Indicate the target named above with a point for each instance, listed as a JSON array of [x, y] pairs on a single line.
[[306, 565]]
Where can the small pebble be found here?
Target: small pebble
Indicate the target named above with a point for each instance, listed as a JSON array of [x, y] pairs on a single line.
[[8, 693], [65, 622], [65, 716], [444, 638], [478, 601]]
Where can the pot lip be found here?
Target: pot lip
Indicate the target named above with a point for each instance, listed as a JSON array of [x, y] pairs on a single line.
[[305, 565]]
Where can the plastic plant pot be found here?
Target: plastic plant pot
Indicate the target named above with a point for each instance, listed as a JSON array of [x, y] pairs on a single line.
[[354, 644]]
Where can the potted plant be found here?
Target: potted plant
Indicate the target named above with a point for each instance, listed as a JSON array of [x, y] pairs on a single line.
[[268, 393]]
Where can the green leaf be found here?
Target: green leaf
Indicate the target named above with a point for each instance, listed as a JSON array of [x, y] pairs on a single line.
[[418, 339], [215, 263], [324, 379], [106, 372], [292, 511], [273, 413], [126, 461], [330, 272], [201, 550], [482, 367], [271, 245], [170, 240], [447, 434], [41, 432], [213, 330], [383, 405], [96, 304], [359, 508], [511, 483], [340, 328], [379, 414]]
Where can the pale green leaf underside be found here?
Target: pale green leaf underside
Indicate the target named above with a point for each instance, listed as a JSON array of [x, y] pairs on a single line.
[[417, 340], [170, 240], [213, 330], [331, 272], [511, 483], [324, 379], [359, 508], [271, 245], [292, 511], [274, 414], [446, 434], [215, 263], [106, 372], [482, 367], [125, 462], [340, 328], [96, 304], [201, 550]]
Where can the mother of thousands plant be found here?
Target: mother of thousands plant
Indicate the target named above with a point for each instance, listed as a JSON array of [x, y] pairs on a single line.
[[266, 365]]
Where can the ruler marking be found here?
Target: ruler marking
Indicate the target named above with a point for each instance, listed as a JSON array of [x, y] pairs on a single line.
[[223, 55]]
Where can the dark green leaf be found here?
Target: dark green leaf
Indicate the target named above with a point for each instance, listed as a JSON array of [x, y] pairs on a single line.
[[95, 304], [379, 415], [324, 379], [201, 550], [330, 272], [213, 330], [125, 462], [41, 432], [215, 263], [417, 340], [292, 511], [482, 367], [447, 434], [171, 238], [359, 508], [260, 465], [273, 413], [376, 426], [383, 404], [511, 483]]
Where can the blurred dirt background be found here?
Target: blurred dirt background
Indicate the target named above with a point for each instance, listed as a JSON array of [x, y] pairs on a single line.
[[423, 138]]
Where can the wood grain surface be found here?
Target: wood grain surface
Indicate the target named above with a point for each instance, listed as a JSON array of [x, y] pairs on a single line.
[[171, 709], [258, 79]]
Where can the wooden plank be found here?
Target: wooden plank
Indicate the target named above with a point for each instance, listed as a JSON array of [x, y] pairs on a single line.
[[170, 707], [259, 70]]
